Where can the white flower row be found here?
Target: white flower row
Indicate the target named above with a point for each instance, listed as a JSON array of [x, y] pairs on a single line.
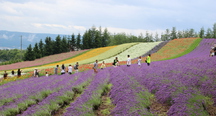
[[134, 52]]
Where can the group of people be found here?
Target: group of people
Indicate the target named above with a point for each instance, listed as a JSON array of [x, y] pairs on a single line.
[[116, 62], [19, 72], [213, 50], [69, 69]]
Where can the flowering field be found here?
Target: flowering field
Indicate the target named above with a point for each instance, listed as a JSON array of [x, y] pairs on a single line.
[[41, 61], [134, 51], [110, 53], [182, 86]]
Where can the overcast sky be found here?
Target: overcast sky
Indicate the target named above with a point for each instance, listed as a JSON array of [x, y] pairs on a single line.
[[130, 16]]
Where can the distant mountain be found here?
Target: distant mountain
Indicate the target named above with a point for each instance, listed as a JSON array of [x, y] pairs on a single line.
[[11, 39]]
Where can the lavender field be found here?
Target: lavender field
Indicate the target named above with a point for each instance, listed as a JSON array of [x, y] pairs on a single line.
[[184, 86]]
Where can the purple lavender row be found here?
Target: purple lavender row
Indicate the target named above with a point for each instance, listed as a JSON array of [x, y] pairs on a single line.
[[125, 95], [178, 84], [56, 99], [84, 104], [18, 87], [32, 95], [23, 89]]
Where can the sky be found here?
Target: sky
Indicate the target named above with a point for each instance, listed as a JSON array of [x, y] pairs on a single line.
[[129, 16]]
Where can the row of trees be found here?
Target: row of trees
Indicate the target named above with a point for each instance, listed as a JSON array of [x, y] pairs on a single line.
[[10, 56], [94, 38]]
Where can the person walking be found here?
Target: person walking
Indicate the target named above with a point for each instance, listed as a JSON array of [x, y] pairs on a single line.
[[139, 61], [76, 67], [12, 72], [63, 69], [128, 61], [36, 73], [19, 72], [70, 68], [103, 65], [148, 59], [5, 75], [116, 62], [95, 66], [56, 69]]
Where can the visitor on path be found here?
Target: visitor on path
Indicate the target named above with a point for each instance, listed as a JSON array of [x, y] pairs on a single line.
[[19, 72], [47, 74], [62, 71], [139, 61], [148, 59], [12, 72], [76, 67], [128, 61], [95, 66], [56, 69], [103, 65], [5, 75], [70, 68], [212, 53], [36, 73], [116, 62], [63, 67]]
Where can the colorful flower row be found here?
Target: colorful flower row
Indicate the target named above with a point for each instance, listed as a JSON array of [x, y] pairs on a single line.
[[41, 61], [134, 51]]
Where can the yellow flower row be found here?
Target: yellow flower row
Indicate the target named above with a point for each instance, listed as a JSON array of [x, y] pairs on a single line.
[[87, 55]]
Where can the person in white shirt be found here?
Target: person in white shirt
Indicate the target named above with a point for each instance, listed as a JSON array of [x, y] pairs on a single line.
[[128, 61], [70, 68], [47, 74], [139, 61]]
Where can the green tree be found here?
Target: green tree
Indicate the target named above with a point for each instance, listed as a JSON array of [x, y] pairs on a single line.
[[41, 48], [64, 45], [29, 55], [105, 38], [192, 33], [214, 31], [36, 51], [85, 41], [180, 34], [48, 47], [97, 42], [78, 42], [209, 33], [173, 33], [58, 45], [156, 37], [202, 32], [73, 42]]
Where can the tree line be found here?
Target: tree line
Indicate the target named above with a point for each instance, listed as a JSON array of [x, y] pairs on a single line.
[[96, 37]]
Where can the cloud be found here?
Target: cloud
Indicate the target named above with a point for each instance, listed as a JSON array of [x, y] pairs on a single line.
[[74, 16], [5, 36]]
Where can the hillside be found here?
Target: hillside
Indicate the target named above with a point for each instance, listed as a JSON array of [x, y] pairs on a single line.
[[42, 61], [183, 86]]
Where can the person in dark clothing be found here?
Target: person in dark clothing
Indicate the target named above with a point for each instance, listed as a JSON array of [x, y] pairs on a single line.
[[5, 75], [12, 72], [19, 73], [116, 62]]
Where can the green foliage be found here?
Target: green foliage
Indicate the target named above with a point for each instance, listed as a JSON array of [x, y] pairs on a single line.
[[29, 55], [195, 109], [11, 56]]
